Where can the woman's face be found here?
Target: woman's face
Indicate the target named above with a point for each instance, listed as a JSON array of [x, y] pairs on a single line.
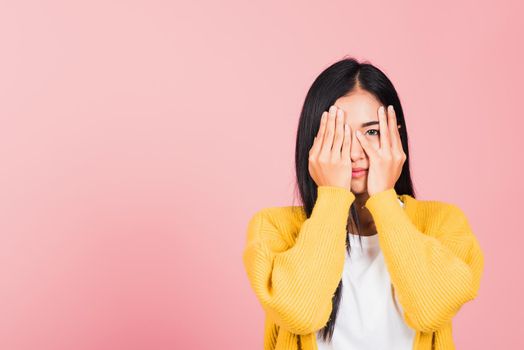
[[361, 113]]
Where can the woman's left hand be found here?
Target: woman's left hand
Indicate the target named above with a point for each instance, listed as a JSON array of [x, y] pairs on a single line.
[[386, 161]]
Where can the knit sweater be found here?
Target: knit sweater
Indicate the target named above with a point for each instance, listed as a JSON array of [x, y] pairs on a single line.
[[294, 264]]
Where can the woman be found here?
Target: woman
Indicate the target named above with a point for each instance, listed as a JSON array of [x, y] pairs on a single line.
[[416, 262]]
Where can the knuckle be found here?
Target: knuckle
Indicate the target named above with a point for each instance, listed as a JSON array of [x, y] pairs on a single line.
[[322, 160], [399, 155]]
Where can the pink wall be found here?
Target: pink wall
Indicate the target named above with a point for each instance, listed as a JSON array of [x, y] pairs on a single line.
[[138, 137]]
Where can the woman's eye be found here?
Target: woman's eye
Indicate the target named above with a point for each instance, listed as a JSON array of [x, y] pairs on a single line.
[[377, 132]]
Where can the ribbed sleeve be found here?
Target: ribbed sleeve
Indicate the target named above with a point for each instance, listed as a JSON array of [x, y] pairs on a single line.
[[295, 284], [434, 275]]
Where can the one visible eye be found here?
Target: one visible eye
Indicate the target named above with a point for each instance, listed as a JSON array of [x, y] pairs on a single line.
[[377, 132]]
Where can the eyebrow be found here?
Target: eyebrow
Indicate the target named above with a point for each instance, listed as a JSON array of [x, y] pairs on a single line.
[[373, 122]]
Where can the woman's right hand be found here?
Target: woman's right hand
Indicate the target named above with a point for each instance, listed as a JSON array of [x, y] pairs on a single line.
[[329, 157]]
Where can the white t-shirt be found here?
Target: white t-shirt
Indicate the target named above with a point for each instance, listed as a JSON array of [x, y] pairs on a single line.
[[367, 318]]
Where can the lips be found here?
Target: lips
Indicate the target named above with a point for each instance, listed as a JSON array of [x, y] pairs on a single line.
[[358, 173]]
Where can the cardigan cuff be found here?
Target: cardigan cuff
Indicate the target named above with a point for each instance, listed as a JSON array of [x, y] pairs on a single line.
[[384, 203], [333, 203]]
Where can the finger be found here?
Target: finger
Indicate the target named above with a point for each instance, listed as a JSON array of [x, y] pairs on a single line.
[[384, 133], [317, 142], [393, 128], [327, 141], [370, 150], [339, 134], [346, 146], [322, 127]]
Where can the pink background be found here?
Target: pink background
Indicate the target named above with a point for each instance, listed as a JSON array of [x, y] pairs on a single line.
[[138, 137]]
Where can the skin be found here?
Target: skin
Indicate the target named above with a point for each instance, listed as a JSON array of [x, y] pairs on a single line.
[[377, 149]]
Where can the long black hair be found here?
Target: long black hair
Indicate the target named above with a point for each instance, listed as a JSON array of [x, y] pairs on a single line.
[[338, 80]]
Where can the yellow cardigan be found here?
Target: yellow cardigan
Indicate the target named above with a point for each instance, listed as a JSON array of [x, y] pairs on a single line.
[[294, 264]]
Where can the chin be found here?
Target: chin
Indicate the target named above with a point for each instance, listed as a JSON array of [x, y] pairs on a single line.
[[359, 188]]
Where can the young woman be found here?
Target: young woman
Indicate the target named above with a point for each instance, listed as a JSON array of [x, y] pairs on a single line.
[[415, 262]]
